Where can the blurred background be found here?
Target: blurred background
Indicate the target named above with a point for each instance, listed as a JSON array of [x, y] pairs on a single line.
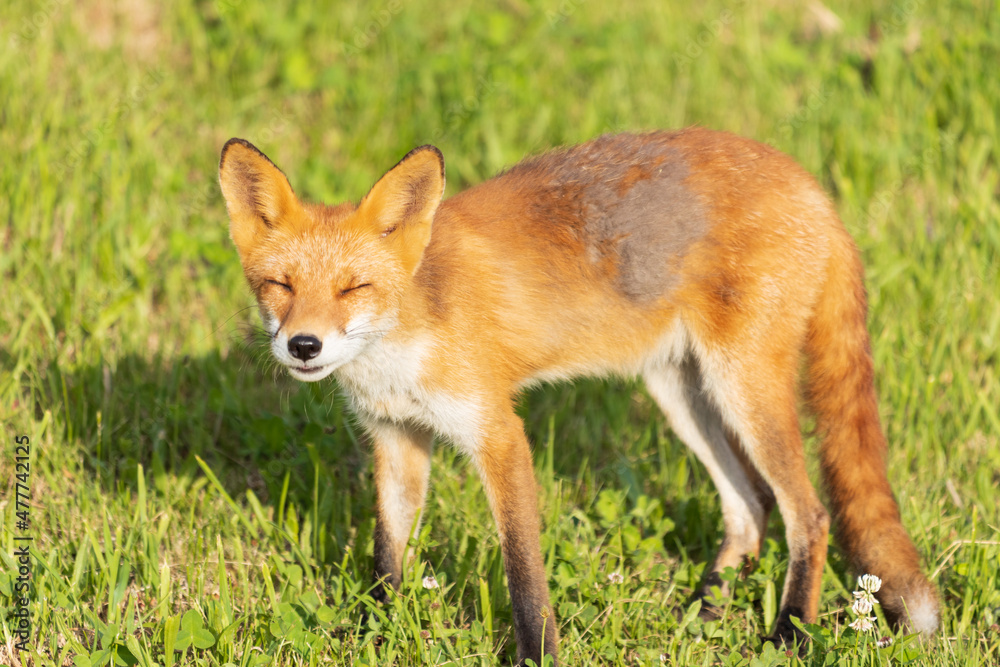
[[191, 504]]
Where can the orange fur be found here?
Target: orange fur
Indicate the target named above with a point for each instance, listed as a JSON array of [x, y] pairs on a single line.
[[708, 264]]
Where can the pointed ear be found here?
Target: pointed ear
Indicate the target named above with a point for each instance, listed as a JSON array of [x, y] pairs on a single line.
[[401, 206], [257, 194]]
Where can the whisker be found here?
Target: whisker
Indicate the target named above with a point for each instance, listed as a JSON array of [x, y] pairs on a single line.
[[364, 334], [230, 319]]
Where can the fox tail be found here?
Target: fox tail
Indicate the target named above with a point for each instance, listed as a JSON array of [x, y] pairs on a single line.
[[841, 392]]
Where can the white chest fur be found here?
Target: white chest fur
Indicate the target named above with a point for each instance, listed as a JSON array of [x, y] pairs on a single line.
[[384, 383]]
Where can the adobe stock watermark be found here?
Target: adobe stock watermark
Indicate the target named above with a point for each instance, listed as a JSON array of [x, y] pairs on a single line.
[[277, 124], [709, 33], [363, 36], [460, 110], [123, 107], [962, 294], [226, 6], [366, 34], [816, 98], [899, 15], [563, 11], [881, 203], [23, 540], [31, 26]]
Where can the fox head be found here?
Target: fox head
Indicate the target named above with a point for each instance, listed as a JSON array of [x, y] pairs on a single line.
[[329, 280]]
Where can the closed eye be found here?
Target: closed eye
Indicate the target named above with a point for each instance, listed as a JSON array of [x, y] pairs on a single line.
[[356, 287], [284, 286]]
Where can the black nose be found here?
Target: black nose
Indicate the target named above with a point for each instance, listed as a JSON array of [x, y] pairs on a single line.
[[304, 348]]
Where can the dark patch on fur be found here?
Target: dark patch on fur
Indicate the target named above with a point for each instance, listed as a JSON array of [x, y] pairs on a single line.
[[709, 610], [728, 294], [714, 578], [435, 275], [416, 197], [250, 175], [798, 572], [798, 576], [259, 204], [387, 568], [425, 147], [785, 631], [628, 204], [528, 593]]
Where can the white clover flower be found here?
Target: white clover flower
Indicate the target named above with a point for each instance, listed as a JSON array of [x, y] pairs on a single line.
[[430, 583], [615, 577], [864, 595], [862, 624], [885, 641], [864, 603], [862, 606], [869, 583]]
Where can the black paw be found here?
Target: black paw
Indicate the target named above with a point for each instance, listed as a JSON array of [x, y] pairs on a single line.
[[787, 634]]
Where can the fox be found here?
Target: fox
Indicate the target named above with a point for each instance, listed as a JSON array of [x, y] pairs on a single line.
[[711, 266]]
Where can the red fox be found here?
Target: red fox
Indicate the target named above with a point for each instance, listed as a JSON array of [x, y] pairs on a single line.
[[708, 264]]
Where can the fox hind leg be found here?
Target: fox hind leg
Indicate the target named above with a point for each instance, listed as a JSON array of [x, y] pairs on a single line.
[[759, 395], [746, 499]]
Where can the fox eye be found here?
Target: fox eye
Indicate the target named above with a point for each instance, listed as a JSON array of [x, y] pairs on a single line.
[[284, 286], [356, 287]]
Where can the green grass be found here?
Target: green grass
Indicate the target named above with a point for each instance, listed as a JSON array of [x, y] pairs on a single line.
[[192, 506]]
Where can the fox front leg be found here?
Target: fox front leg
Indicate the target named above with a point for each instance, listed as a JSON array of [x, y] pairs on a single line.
[[503, 458], [402, 458]]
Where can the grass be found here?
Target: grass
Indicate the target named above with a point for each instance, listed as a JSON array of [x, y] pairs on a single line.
[[192, 506]]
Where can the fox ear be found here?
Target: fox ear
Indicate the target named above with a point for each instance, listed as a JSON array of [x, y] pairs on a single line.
[[257, 194], [401, 206]]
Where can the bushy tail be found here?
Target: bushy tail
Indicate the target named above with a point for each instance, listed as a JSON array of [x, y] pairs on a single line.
[[842, 394]]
